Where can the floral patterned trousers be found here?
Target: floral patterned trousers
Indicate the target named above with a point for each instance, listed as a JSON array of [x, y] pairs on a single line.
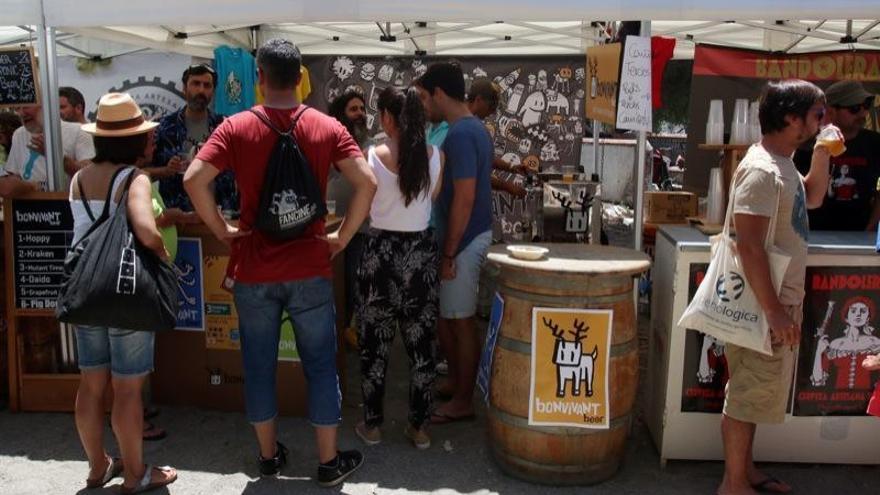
[[397, 290]]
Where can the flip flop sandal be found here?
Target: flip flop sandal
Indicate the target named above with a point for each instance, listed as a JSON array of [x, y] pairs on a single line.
[[442, 419], [764, 485], [152, 433], [114, 469], [151, 412], [144, 485]]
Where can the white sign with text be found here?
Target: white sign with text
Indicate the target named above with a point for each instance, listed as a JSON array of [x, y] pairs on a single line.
[[634, 94]]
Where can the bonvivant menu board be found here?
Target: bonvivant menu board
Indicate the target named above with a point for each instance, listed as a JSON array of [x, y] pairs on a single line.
[[42, 230]]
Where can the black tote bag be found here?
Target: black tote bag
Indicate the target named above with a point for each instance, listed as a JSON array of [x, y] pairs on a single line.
[[111, 280]]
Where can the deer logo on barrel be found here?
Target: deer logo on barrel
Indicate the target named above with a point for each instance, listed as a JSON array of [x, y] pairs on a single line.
[[572, 364]]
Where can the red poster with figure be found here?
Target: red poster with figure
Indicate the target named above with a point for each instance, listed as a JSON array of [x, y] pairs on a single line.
[[839, 331], [705, 365]]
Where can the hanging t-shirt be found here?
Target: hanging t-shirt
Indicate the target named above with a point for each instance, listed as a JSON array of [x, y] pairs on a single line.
[[848, 200], [302, 91], [662, 50], [236, 78]]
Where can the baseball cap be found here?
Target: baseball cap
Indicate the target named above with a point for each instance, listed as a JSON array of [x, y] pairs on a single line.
[[846, 93]]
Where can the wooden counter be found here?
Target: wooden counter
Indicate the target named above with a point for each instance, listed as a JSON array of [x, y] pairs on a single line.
[[41, 351]]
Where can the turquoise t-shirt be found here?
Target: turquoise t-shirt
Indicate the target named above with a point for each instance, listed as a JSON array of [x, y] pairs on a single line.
[[436, 133], [236, 80]]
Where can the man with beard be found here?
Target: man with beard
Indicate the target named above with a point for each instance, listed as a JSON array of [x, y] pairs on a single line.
[[72, 105], [852, 195], [349, 109], [179, 137], [768, 190]]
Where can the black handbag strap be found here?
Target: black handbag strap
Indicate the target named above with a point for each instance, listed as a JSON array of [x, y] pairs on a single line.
[[106, 211], [85, 202], [265, 119]]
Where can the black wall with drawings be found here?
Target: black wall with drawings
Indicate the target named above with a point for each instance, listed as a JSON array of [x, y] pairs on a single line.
[[540, 115]]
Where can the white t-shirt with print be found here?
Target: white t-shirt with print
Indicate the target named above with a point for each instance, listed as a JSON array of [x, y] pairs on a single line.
[[31, 166], [760, 177]]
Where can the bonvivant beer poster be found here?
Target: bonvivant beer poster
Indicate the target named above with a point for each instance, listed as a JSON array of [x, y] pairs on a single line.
[[569, 382], [839, 331]]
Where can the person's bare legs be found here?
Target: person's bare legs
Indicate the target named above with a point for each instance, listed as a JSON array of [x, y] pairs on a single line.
[[467, 360], [326, 439], [89, 416], [447, 339], [127, 419], [755, 476], [737, 436], [267, 437]]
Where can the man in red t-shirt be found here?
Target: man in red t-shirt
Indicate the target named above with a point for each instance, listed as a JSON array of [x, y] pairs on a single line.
[[273, 276]]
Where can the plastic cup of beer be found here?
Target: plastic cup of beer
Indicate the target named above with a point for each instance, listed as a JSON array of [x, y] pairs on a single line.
[[831, 140]]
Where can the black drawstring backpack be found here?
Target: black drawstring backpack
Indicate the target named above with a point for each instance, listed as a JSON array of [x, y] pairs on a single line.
[[291, 198], [111, 280]]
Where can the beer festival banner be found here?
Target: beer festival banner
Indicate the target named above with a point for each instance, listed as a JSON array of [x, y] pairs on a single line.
[[727, 74], [569, 367]]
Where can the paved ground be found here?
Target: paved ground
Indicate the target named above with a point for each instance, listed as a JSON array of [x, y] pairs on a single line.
[[40, 454]]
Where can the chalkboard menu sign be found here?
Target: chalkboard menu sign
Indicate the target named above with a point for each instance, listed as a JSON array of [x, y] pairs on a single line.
[[17, 80], [42, 231]]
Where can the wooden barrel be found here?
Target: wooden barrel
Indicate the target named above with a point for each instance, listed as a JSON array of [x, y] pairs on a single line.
[[570, 276]]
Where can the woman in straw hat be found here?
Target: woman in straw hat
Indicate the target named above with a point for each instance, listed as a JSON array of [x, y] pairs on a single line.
[[110, 356]]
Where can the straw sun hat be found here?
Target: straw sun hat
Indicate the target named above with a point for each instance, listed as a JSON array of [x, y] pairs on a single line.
[[118, 116]]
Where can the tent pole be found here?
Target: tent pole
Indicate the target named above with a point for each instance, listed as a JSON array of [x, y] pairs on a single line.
[[51, 112], [640, 170]]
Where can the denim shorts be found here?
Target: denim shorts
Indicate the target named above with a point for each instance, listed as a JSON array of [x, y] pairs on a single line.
[[128, 353], [458, 297], [310, 306]]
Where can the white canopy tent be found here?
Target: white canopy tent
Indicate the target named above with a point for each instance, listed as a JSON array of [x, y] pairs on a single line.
[[453, 38], [103, 29]]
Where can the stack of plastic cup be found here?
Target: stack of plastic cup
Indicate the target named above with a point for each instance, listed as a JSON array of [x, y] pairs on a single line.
[[715, 123], [754, 123], [739, 126], [715, 209]]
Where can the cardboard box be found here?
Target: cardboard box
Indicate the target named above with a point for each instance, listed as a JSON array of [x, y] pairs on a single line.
[[669, 207]]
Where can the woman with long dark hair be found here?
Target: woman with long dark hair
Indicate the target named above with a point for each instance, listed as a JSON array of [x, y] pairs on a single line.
[[397, 278]]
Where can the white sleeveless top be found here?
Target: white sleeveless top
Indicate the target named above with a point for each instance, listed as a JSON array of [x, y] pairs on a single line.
[[388, 211], [81, 220]]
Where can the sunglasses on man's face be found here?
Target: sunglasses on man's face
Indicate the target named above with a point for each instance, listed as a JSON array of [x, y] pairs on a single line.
[[854, 109]]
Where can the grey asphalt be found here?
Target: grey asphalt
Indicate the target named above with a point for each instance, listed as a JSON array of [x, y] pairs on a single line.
[[215, 454]]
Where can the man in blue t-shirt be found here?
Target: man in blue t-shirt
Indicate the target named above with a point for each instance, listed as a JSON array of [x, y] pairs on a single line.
[[464, 227]]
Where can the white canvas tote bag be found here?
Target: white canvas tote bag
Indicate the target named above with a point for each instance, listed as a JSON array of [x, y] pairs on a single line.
[[724, 305]]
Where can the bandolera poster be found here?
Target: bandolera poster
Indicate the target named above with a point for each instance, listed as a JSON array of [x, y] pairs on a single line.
[[705, 365], [839, 331], [569, 371], [188, 266], [220, 315]]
